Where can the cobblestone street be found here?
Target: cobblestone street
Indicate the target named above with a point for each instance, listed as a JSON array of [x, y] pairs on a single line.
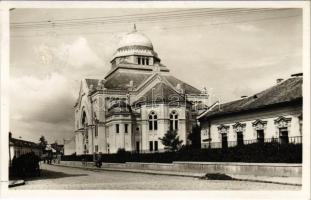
[[57, 177]]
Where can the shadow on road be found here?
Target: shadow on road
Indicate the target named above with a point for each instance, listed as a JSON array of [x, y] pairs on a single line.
[[47, 174]]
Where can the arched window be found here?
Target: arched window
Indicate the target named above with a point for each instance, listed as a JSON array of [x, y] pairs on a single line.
[[174, 121], [84, 119], [153, 121]]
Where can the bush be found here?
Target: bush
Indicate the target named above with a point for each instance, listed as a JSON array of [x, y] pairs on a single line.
[[27, 165]]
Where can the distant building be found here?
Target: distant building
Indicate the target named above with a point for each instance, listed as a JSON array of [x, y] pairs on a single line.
[[274, 114], [19, 147], [59, 148], [69, 146], [135, 104]]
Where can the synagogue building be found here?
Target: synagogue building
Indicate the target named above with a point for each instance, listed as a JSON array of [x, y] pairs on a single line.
[[135, 103]]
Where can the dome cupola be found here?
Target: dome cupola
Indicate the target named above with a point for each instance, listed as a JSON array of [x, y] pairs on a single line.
[[135, 38], [135, 48]]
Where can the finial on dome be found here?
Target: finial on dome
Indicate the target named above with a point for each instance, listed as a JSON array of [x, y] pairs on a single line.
[[134, 30]]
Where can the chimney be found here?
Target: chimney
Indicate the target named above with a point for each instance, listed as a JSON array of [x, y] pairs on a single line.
[[179, 88], [131, 83], [296, 75], [279, 80]]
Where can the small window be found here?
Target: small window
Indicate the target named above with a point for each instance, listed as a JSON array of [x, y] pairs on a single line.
[[126, 128], [143, 61], [156, 145], [138, 60], [96, 148], [117, 128], [150, 146], [147, 61], [96, 131]]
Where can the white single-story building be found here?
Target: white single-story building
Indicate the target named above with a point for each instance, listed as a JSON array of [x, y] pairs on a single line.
[[274, 114]]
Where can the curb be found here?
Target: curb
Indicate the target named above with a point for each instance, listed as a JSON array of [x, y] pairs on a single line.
[[175, 174], [131, 171], [263, 181]]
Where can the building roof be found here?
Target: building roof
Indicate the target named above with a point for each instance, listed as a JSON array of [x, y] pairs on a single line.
[[135, 43], [288, 91], [135, 38], [23, 143], [121, 81], [188, 89], [161, 93], [93, 82]]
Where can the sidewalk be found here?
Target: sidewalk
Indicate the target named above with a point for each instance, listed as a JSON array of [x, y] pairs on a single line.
[[296, 181]]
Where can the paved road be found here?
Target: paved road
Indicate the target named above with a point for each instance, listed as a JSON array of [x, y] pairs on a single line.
[[57, 177]]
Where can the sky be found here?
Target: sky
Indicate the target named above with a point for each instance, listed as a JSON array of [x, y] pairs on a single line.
[[230, 55]]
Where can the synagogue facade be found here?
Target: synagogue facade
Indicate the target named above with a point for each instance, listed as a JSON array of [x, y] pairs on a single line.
[[135, 103]]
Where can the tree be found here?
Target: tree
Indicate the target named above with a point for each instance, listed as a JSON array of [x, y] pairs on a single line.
[[195, 137], [42, 142], [171, 140]]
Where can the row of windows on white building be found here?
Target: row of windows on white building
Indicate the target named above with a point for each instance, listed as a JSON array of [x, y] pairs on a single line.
[[153, 125], [259, 126]]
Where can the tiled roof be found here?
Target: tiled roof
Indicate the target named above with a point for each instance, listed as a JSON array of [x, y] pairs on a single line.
[[23, 143], [188, 89], [287, 91], [121, 80]]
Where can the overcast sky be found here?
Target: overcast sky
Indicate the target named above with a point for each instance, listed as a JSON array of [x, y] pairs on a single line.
[[231, 56]]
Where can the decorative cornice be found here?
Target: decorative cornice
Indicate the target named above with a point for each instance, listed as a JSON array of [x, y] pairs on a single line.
[[238, 124], [222, 127], [281, 118], [259, 121], [133, 47]]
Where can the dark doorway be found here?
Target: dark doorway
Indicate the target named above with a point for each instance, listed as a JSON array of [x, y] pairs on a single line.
[[283, 136], [137, 147], [224, 141], [240, 138], [260, 136]]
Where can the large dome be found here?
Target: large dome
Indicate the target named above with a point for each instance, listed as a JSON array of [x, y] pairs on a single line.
[[134, 44], [135, 38]]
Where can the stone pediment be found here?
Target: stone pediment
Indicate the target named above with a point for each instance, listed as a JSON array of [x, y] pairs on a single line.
[[223, 129], [282, 122], [259, 124]]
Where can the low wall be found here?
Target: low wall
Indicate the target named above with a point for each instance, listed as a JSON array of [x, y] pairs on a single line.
[[260, 169]]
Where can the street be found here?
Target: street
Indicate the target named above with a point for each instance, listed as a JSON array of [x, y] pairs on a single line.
[[58, 177]]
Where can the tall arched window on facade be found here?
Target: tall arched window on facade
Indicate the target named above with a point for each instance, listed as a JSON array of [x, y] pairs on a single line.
[[153, 121], [85, 133], [174, 121], [84, 119]]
